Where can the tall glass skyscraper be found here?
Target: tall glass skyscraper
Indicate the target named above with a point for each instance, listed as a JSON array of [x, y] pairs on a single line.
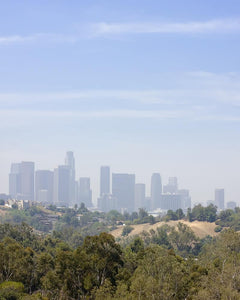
[[123, 188], [44, 186], [156, 191], [85, 192], [104, 180], [70, 162], [62, 186], [21, 180]]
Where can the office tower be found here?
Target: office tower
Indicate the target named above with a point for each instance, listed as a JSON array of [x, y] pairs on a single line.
[[104, 180], [147, 203], [107, 202], [171, 187], [139, 196], [61, 186], [85, 192], [14, 181], [44, 186], [123, 188], [70, 162], [171, 201], [27, 180], [219, 198], [156, 191], [21, 181], [185, 198]]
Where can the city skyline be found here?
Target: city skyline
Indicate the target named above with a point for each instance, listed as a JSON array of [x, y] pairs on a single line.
[[141, 86], [58, 187]]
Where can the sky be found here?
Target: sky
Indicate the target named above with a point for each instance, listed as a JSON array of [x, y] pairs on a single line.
[[140, 85]]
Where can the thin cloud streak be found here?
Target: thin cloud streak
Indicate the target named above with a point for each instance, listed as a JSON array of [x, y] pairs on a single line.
[[228, 95], [38, 37], [212, 26], [13, 117], [121, 113], [220, 26]]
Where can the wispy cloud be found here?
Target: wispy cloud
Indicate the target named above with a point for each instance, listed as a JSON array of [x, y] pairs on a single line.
[[210, 26], [194, 96], [96, 114], [190, 88], [220, 26], [15, 118], [38, 37]]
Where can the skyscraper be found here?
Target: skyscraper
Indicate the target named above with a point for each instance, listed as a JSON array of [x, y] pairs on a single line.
[[85, 192], [14, 180], [219, 198], [107, 202], [44, 186], [156, 191], [61, 190], [186, 199], [70, 162], [21, 180], [171, 201], [172, 186], [104, 180], [139, 196], [123, 188]]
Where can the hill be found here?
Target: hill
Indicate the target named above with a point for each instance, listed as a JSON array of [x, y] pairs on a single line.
[[201, 229]]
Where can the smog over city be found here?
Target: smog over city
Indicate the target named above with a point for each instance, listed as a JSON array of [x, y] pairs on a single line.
[[141, 86], [120, 149]]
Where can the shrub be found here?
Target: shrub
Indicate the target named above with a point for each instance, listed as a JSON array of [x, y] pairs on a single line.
[[126, 230]]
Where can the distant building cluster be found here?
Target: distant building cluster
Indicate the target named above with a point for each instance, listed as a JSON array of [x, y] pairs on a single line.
[[127, 195], [118, 191], [58, 187]]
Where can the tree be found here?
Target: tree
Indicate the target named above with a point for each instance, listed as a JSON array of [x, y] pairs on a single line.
[[142, 213], [10, 290], [160, 275], [126, 230], [104, 256], [183, 239]]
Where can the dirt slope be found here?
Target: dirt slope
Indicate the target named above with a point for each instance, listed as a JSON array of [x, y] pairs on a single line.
[[201, 229]]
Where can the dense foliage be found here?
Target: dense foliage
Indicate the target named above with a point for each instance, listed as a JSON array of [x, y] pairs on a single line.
[[166, 263], [68, 254]]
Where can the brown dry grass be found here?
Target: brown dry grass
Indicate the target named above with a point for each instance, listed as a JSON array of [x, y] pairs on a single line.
[[201, 229]]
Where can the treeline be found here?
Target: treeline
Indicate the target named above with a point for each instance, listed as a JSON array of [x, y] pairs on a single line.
[[161, 265], [79, 218], [198, 213], [225, 219]]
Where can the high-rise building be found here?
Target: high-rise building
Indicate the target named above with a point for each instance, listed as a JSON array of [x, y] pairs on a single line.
[[147, 203], [85, 192], [219, 198], [70, 162], [186, 199], [139, 196], [123, 188], [104, 180], [156, 191], [107, 202], [21, 180], [14, 181], [171, 201], [27, 180], [44, 186], [61, 186], [171, 187]]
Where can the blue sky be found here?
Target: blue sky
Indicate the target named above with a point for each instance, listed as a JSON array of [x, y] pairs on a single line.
[[143, 86]]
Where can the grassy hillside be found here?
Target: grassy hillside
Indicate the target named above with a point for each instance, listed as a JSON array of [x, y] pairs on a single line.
[[201, 229]]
